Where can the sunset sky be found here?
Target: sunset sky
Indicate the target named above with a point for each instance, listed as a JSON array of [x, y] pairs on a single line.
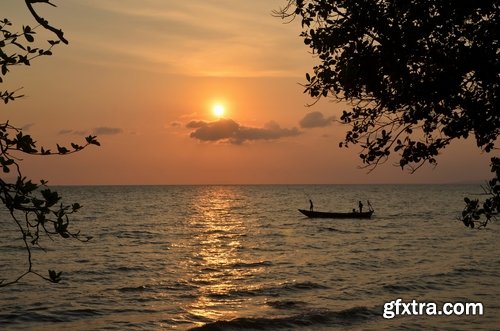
[[146, 76]]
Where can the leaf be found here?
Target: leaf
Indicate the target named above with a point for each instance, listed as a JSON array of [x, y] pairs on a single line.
[[24, 60], [28, 33], [50, 197], [29, 38], [62, 150], [29, 186], [55, 277], [76, 147], [92, 140]]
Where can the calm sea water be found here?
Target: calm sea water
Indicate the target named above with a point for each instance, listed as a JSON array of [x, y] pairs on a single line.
[[244, 258]]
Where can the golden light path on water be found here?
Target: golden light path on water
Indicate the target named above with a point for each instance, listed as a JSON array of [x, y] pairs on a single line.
[[216, 254]]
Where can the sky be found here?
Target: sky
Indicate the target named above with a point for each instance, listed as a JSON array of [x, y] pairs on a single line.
[[146, 77]]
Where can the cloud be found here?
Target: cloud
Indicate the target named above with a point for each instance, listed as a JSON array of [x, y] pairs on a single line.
[[104, 130], [65, 131], [229, 130], [316, 119], [204, 33], [196, 124], [27, 127], [74, 132], [270, 131]]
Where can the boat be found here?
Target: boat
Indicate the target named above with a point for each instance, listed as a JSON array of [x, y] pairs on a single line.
[[323, 214]]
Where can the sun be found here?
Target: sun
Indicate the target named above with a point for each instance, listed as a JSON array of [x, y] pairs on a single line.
[[218, 110]]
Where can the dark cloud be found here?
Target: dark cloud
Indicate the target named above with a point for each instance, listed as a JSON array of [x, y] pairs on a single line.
[[229, 130], [196, 124], [213, 131], [103, 130], [315, 119], [270, 131]]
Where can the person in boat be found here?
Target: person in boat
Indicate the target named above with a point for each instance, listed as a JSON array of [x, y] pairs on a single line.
[[360, 204], [311, 205]]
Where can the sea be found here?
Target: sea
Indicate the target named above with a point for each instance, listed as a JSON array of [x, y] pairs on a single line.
[[237, 257]]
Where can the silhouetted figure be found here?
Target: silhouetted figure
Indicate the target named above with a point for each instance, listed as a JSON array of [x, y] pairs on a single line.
[[360, 204], [311, 206]]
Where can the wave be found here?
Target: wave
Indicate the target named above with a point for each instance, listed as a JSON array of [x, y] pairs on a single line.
[[172, 286], [45, 315], [332, 229], [318, 318], [242, 265], [236, 265], [398, 288], [272, 290], [285, 304], [303, 286], [435, 281], [460, 271]]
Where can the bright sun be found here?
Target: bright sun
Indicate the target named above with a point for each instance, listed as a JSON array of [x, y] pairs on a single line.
[[218, 110]]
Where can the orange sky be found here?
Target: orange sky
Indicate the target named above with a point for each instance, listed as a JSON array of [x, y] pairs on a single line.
[[144, 76]]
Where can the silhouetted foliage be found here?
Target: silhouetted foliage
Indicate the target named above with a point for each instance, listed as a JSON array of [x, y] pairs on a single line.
[[35, 209], [418, 74], [474, 210]]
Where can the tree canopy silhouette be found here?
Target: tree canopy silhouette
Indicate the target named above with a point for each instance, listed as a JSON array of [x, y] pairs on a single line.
[[416, 74], [35, 209]]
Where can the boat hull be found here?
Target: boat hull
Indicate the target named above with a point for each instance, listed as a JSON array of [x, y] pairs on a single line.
[[322, 214]]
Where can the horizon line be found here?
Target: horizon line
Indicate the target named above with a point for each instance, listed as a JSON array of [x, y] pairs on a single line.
[[273, 184]]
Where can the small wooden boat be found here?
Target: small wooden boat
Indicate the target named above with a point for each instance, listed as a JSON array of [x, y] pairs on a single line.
[[322, 214]]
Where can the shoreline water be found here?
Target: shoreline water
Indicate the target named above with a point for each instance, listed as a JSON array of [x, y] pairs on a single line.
[[180, 257]]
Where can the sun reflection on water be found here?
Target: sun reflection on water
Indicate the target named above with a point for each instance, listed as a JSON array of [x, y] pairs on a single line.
[[217, 255]]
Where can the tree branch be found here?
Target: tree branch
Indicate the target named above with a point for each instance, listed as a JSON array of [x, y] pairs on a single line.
[[43, 22]]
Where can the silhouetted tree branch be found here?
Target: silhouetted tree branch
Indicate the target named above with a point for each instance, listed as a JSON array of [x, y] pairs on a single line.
[[35, 209], [43, 22], [474, 211], [417, 74]]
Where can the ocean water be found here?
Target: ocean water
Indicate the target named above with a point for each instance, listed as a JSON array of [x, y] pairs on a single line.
[[244, 258]]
